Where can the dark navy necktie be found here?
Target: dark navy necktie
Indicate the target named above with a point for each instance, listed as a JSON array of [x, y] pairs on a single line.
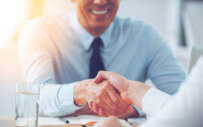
[[96, 63]]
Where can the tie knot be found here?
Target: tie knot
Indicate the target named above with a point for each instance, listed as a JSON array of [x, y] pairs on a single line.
[[97, 43]]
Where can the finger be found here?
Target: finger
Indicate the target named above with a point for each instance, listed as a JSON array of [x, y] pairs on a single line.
[[106, 110], [109, 102], [100, 76], [112, 108], [101, 112], [96, 108], [116, 99], [91, 105]]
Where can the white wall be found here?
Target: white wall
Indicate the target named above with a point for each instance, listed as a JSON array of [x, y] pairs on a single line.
[[10, 73], [164, 14]]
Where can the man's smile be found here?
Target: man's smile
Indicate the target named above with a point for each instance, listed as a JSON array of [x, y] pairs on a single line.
[[100, 12], [96, 15]]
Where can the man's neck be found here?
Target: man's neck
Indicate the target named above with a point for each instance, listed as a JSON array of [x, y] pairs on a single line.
[[97, 32]]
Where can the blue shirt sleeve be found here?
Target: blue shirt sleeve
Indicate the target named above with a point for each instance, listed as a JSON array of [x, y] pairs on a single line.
[[37, 64], [57, 100], [164, 70]]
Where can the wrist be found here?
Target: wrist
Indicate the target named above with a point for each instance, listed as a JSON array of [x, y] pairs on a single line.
[[80, 92], [140, 89], [126, 94], [134, 93]]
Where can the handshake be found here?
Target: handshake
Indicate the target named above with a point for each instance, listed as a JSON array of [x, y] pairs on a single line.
[[110, 94]]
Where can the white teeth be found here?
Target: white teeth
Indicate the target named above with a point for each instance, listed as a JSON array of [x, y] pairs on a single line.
[[99, 12]]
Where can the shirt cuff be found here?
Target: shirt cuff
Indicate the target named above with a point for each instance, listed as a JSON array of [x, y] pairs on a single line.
[[153, 101], [66, 98], [140, 112]]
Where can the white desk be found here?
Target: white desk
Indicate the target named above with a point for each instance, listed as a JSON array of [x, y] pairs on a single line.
[[7, 122], [55, 122]]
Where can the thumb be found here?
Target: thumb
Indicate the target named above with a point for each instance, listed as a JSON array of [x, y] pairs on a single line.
[[101, 76]]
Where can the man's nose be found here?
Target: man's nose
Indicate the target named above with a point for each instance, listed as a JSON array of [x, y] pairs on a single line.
[[100, 2]]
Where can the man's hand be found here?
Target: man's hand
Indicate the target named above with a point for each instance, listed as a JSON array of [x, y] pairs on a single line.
[[80, 92], [108, 122], [103, 99], [83, 111]]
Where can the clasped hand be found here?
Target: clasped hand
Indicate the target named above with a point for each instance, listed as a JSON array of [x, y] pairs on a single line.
[[104, 99]]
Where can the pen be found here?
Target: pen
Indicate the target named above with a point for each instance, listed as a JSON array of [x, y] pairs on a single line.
[[64, 120]]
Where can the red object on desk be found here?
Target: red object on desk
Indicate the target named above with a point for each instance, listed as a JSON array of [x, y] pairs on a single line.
[[91, 123]]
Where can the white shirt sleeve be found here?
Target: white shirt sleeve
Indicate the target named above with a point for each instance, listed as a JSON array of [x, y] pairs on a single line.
[[37, 65], [185, 108], [153, 101]]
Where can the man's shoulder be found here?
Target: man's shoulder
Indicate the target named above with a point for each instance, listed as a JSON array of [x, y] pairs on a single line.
[[47, 22], [131, 22], [129, 27], [45, 27]]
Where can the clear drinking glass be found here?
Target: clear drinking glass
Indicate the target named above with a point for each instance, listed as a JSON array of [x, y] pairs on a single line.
[[27, 95]]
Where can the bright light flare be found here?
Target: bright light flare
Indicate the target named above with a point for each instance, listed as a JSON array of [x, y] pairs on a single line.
[[12, 14]]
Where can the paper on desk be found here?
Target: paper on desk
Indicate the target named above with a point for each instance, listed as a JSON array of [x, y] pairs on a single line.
[[82, 119], [49, 121]]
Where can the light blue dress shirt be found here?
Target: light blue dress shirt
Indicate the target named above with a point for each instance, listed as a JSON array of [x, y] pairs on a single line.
[[56, 51]]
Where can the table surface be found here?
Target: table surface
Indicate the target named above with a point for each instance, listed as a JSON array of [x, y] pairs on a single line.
[[10, 122], [54, 122]]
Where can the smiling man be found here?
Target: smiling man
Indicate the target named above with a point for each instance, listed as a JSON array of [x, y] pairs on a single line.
[[66, 52], [96, 16]]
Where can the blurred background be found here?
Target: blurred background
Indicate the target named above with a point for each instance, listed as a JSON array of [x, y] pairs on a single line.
[[180, 21]]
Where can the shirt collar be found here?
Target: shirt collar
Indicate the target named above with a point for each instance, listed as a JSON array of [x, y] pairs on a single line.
[[85, 37]]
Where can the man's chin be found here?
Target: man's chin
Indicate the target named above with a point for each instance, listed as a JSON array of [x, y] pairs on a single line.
[[99, 26]]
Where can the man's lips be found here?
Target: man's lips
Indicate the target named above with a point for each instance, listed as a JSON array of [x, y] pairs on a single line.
[[99, 11]]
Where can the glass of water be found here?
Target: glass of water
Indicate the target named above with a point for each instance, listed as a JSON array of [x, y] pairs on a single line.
[[27, 95]]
